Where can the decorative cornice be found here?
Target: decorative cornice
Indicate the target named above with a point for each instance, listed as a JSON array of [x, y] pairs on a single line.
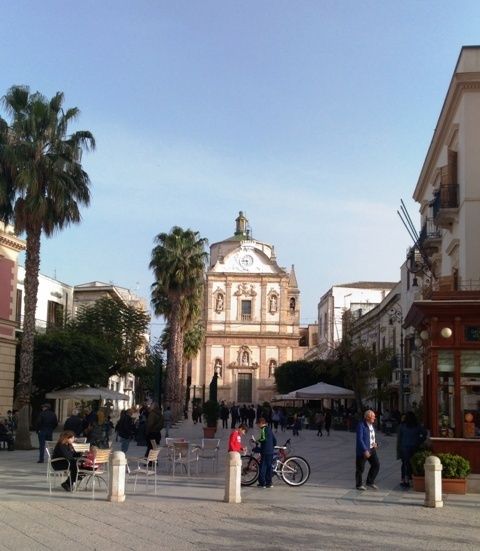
[[12, 242], [235, 365]]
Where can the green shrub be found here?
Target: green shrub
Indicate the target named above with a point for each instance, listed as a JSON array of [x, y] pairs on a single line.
[[453, 466], [418, 460], [211, 412]]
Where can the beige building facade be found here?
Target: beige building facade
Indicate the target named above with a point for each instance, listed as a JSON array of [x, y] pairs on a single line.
[[251, 316]]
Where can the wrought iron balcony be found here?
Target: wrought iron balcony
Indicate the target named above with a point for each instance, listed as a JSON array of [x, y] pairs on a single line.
[[445, 205], [430, 237]]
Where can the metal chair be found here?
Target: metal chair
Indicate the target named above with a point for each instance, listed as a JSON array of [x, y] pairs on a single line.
[[147, 467], [52, 474], [99, 471], [209, 451], [184, 454]]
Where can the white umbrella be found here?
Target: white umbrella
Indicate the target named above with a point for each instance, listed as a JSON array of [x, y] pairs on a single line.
[[87, 393], [319, 391]]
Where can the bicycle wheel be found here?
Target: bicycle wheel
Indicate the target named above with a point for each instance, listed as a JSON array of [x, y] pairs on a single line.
[[250, 470], [295, 471]]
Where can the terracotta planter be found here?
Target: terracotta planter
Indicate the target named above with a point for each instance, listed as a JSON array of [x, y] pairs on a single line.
[[209, 432], [449, 485], [418, 483], [454, 486]]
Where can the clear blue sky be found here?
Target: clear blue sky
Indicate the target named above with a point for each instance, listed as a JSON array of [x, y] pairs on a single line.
[[313, 117]]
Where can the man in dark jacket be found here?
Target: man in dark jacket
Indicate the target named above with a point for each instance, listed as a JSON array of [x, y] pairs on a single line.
[[46, 423], [267, 443], [74, 423], [154, 426]]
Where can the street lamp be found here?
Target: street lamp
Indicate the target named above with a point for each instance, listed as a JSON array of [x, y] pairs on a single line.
[[396, 314]]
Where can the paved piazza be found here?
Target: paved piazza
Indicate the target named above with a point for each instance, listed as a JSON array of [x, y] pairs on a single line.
[[326, 513]]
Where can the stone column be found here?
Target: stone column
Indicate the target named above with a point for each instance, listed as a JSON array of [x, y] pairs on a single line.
[[233, 473], [116, 481], [433, 482]]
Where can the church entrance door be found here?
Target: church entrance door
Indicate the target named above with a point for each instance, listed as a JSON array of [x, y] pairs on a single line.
[[244, 388]]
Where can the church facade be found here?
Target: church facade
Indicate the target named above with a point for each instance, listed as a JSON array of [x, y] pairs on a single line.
[[251, 316]]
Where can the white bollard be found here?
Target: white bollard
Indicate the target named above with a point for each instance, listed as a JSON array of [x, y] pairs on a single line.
[[116, 482], [233, 478], [433, 482]]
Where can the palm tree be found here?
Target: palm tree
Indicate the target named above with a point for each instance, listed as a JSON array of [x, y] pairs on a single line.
[[178, 262], [42, 185]]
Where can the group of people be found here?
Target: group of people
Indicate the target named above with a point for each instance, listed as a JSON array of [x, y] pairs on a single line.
[[95, 425], [151, 421], [266, 443], [7, 429], [410, 436]]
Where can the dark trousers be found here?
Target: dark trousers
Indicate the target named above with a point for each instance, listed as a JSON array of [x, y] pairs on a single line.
[[225, 423], [152, 436], [43, 436], [67, 464], [265, 474], [405, 455], [372, 472], [234, 422]]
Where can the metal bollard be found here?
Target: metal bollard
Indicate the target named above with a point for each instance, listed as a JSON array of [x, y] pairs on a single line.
[[433, 482], [116, 482], [233, 478]]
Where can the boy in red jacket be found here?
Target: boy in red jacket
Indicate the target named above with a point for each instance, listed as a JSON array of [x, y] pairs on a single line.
[[235, 441]]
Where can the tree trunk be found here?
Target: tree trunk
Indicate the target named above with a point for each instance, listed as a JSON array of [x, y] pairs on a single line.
[[24, 385], [173, 396]]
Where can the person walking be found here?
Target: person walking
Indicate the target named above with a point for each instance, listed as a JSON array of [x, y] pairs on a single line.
[[366, 450], [167, 420], [224, 415], [267, 443], [46, 423], [125, 428], [154, 426], [319, 420], [410, 436], [328, 421], [235, 414]]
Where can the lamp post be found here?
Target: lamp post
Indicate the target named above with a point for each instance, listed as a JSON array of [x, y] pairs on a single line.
[[396, 314]]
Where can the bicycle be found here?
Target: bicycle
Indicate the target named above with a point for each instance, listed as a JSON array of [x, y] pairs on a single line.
[[293, 470]]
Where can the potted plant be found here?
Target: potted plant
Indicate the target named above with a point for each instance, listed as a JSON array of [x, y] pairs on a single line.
[[211, 413], [455, 470]]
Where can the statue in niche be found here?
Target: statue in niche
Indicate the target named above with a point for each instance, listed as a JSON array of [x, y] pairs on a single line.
[[271, 368], [292, 305], [245, 358], [273, 304], [219, 303], [218, 367]]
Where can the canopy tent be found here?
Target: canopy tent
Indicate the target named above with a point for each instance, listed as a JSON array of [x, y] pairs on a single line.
[[317, 391], [87, 393], [321, 390]]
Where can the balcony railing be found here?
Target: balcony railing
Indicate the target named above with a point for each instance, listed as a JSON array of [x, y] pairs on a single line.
[[430, 234], [445, 204], [246, 317]]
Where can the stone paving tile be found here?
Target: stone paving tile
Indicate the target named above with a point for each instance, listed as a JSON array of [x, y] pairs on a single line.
[[326, 513]]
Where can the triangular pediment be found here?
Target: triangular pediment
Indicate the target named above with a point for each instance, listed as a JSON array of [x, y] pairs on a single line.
[[245, 259]]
